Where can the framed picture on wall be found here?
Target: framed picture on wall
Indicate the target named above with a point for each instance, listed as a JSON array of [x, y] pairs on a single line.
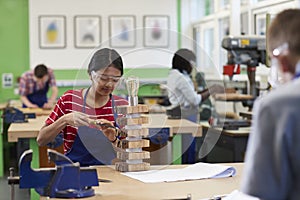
[[156, 31], [52, 31], [122, 31], [87, 31]]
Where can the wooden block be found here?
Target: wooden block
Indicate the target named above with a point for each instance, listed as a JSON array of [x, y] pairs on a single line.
[[127, 144], [123, 155], [125, 167], [143, 132], [122, 121], [141, 108]]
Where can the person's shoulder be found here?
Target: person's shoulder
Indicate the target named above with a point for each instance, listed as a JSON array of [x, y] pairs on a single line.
[[28, 73], [69, 94], [283, 96], [117, 97], [120, 100], [175, 75], [74, 91], [175, 72], [50, 71]]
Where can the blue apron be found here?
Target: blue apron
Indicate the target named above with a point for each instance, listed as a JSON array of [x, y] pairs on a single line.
[[91, 146], [38, 97]]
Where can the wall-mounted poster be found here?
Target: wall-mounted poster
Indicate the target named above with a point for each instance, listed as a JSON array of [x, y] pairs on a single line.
[[156, 31], [87, 31], [52, 31], [122, 31]]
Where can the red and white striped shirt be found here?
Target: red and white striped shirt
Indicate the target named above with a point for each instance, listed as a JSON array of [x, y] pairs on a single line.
[[72, 100]]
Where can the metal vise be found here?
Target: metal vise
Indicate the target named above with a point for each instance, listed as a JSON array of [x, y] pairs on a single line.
[[66, 180]]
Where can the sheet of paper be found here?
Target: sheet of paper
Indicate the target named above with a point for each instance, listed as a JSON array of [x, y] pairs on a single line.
[[238, 195], [192, 172]]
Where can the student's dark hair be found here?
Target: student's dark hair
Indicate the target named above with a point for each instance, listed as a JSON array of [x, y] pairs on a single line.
[[182, 60], [40, 71], [105, 58]]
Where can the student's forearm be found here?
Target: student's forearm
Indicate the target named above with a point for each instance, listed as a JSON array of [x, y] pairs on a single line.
[[204, 94], [48, 133], [54, 94], [25, 101]]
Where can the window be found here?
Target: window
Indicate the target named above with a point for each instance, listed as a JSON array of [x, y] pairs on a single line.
[[224, 25], [205, 44]]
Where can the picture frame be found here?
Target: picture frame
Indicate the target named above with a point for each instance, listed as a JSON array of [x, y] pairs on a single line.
[[156, 30], [52, 31], [122, 31], [87, 31]]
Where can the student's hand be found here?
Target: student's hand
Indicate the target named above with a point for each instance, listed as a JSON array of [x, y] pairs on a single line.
[[108, 129], [48, 105], [76, 119]]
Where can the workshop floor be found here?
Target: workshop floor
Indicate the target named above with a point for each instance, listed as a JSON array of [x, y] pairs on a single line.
[[5, 191]]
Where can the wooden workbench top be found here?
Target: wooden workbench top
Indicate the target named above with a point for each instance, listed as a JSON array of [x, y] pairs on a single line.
[[177, 126], [125, 188], [37, 111], [233, 97], [28, 129]]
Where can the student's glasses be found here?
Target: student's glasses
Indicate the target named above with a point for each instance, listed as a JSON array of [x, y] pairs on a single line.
[[105, 78]]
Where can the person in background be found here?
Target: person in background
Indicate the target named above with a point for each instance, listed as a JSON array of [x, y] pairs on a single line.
[[34, 86], [272, 160], [181, 91], [85, 117]]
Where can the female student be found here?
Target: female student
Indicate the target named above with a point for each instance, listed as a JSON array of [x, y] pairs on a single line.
[[76, 112]]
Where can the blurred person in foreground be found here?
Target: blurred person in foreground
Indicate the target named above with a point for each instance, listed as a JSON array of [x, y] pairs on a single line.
[[272, 160]]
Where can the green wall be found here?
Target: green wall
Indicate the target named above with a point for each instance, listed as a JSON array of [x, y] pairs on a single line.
[[14, 43]]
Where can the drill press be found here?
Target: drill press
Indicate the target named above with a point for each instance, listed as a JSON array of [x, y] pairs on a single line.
[[244, 50]]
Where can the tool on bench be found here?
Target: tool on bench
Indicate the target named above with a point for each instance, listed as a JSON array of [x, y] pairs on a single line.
[[66, 180], [14, 115], [230, 124]]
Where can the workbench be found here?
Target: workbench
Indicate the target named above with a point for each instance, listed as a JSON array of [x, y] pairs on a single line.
[[118, 186], [176, 127], [233, 140]]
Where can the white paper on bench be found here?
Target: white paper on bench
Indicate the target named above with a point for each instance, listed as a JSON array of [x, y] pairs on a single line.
[[192, 172]]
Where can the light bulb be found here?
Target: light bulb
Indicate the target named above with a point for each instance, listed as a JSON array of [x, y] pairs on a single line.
[[132, 84]]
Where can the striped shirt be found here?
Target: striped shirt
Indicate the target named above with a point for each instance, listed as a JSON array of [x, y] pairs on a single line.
[[73, 100], [28, 85]]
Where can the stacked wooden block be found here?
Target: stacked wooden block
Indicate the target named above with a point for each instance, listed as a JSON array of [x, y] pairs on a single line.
[[130, 149]]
